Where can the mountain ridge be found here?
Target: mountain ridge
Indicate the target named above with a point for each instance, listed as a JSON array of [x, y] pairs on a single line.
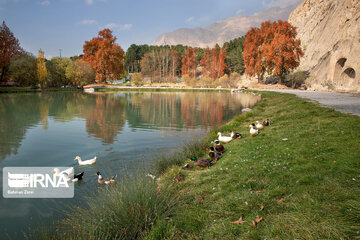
[[222, 30]]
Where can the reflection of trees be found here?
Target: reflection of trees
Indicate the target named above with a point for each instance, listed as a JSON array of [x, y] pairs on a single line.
[[16, 116], [107, 118], [105, 114], [185, 109]]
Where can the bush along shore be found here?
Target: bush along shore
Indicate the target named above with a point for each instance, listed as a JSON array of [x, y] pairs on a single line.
[[298, 179]]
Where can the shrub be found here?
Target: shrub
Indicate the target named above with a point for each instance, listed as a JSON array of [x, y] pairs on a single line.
[[227, 82], [191, 82], [272, 79], [206, 82], [296, 79], [137, 79]]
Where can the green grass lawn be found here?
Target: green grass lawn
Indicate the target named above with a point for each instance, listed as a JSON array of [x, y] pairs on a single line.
[[309, 185]]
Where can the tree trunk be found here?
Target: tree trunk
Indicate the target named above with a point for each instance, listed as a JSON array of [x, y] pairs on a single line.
[[3, 73]]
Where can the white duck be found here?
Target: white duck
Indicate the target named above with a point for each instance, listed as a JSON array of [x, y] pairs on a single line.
[[66, 172], [86, 162], [224, 139], [259, 125], [253, 130]]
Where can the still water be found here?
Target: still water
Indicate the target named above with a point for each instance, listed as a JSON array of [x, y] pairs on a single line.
[[122, 129]]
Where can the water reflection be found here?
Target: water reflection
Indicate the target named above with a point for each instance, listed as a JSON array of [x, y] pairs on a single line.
[[50, 129], [106, 114]]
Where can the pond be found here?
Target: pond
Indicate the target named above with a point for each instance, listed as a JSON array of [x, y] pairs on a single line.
[[122, 129]]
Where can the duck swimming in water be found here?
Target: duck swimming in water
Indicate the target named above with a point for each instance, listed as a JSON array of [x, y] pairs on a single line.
[[106, 181]]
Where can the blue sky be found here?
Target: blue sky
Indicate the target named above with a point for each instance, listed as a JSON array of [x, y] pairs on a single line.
[[66, 24]]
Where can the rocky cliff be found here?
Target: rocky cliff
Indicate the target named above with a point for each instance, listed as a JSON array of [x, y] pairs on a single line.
[[330, 34], [223, 30]]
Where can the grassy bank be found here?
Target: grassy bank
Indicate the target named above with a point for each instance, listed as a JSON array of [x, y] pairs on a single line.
[[304, 170], [23, 89], [309, 184]]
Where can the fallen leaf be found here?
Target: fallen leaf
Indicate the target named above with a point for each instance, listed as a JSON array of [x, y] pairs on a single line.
[[334, 161], [250, 189], [280, 200], [258, 191], [261, 208], [241, 221], [201, 201], [223, 225], [253, 224], [258, 219]]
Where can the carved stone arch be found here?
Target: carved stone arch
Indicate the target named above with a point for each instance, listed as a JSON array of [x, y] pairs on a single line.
[[338, 70]]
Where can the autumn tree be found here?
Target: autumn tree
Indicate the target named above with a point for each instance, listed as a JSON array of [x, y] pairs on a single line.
[[273, 49], [41, 69], [104, 55], [252, 55], [160, 64], [137, 79], [221, 66], [9, 47], [189, 62], [205, 63]]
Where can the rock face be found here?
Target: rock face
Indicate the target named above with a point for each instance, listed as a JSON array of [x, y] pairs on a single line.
[[330, 35], [223, 30]]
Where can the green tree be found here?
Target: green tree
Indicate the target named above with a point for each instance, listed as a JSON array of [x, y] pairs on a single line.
[[57, 71], [41, 69], [22, 70], [79, 72], [234, 51]]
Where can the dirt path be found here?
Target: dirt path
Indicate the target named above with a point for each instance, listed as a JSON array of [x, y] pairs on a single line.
[[342, 102]]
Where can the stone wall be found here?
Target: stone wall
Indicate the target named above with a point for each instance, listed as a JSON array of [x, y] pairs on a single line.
[[330, 34]]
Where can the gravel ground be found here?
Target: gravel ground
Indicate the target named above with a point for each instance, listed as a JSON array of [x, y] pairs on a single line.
[[342, 102]]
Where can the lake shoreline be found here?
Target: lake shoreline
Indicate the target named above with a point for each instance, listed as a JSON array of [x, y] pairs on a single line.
[[249, 181]]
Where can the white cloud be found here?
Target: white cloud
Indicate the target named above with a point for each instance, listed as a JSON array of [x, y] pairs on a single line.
[[111, 26], [280, 3], [190, 20], [125, 27], [91, 2], [44, 3], [87, 22], [117, 27], [240, 11]]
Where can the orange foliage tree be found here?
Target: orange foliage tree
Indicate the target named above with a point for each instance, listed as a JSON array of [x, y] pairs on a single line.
[[9, 47], [213, 65], [189, 63], [273, 49], [104, 55]]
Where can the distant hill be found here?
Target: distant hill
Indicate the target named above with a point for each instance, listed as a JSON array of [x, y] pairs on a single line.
[[223, 30]]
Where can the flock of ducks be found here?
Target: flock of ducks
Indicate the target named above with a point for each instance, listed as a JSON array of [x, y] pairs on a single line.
[[77, 177], [217, 149]]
